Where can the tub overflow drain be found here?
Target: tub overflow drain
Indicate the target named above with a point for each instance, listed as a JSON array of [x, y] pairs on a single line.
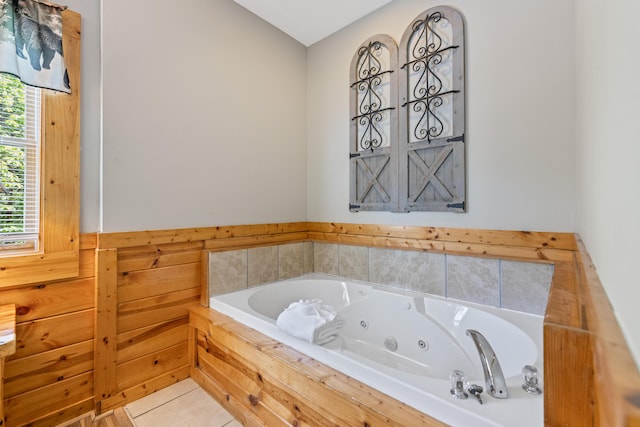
[[391, 344]]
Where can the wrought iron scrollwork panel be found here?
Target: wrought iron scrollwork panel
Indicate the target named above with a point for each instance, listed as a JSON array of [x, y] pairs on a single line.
[[430, 78], [373, 93]]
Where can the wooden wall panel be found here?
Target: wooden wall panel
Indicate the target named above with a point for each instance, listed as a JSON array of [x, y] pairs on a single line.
[[281, 386], [142, 341], [156, 256], [157, 281], [142, 369], [143, 389], [53, 332], [38, 370], [149, 311], [54, 348], [31, 405], [155, 285], [106, 303], [46, 300]]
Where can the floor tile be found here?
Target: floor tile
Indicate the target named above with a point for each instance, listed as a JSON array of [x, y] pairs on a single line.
[[154, 400], [193, 409]]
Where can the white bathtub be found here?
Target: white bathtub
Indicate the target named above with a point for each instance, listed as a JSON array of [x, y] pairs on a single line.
[[431, 342]]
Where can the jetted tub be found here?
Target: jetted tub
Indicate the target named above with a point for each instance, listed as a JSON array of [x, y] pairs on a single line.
[[429, 333]]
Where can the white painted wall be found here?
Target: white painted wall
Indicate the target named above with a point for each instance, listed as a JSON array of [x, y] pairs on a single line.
[[204, 117], [608, 151], [520, 110]]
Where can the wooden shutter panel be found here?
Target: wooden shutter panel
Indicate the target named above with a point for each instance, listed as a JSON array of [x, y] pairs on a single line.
[[432, 124], [374, 126]]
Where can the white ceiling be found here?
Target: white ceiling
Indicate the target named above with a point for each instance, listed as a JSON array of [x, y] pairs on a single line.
[[309, 21]]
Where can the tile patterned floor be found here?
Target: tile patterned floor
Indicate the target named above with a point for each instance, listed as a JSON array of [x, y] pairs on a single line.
[[183, 404]]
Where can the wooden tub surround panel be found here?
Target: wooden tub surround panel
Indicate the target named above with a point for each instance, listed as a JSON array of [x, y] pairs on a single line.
[[262, 382], [590, 375]]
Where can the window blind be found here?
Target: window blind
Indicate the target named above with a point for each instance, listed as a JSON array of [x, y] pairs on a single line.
[[19, 165]]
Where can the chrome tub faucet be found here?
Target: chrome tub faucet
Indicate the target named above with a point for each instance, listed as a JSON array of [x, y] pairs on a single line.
[[496, 385]]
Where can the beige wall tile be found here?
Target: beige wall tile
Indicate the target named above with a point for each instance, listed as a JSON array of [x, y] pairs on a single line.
[[227, 271], [325, 258], [415, 270], [473, 279], [263, 265], [290, 260], [525, 286], [308, 258], [353, 262]]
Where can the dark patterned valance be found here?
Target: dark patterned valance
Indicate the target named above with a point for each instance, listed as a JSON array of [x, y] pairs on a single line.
[[31, 43]]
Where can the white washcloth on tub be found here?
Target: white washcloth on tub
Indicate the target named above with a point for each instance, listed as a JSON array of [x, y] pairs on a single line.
[[310, 320]]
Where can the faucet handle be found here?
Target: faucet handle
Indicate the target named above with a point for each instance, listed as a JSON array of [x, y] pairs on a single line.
[[458, 383], [530, 379], [475, 390]]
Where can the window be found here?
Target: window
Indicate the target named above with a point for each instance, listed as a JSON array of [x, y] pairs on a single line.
[[57, 254], [420, 164], [19, 165]]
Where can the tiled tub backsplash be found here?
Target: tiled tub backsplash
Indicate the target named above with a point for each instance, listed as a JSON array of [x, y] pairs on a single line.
[[520, 286]]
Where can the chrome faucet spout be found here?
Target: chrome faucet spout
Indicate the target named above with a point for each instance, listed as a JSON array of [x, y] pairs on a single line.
[[493, 376]]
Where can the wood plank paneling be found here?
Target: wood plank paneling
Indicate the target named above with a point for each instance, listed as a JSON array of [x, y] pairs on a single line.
[[149, 311], [156, 256], [38, 370], [235, 384], [616, 380], [144, 389], [140, 342], [229, 401], [286, 385], [145, 283], [60, 416], [138, 371], [25, 407], [53, 332], [46, 300], [106, 282], [565, 241], [568, 377], [156, 237]]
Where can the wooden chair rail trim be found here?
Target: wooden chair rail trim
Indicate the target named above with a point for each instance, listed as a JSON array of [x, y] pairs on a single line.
[[532, 245], [540, 240]]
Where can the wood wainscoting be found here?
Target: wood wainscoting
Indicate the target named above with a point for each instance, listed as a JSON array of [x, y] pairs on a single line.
[[49, 379], [120, 330], [262, 382]]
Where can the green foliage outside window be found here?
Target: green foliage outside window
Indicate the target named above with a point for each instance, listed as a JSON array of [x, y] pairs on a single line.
[[12, 158]]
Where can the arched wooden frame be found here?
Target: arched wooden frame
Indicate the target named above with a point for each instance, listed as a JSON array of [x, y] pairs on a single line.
[[432, 116], [419, 163], [374, 125]]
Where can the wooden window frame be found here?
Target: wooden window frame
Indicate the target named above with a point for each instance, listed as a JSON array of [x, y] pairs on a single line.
[[60, 179]]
